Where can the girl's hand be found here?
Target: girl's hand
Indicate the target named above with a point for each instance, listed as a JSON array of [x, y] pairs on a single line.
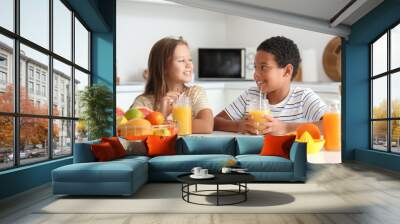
[[167, 102], [274, 126]]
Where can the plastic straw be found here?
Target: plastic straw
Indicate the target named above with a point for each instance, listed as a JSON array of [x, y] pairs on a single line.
[[259, 101]]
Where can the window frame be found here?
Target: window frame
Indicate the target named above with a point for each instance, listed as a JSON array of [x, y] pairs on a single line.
[[15, 71], [388, 74]]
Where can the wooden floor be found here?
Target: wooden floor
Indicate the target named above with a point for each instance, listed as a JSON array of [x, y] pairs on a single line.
[[378, 188]]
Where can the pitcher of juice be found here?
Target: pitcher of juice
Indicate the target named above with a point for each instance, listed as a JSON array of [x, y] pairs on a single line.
[[256, 110], [182, 115], [331, 125]]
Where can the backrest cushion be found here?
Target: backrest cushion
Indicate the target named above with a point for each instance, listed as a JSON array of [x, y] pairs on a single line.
[[134, 147], [103, 152], [116, 145], [83, 152], [161, 145], [277, 145], [194, 145], [249, 144]]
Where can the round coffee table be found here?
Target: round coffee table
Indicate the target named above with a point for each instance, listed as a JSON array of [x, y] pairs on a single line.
[[238, 179]]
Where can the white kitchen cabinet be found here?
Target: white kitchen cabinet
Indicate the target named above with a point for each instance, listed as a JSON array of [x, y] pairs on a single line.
[[220, 94]]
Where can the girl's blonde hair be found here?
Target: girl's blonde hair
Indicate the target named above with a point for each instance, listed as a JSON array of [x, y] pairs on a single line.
[[159, 59]]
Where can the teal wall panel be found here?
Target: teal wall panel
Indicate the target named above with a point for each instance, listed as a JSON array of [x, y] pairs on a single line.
[[24, 178], [356, 99]]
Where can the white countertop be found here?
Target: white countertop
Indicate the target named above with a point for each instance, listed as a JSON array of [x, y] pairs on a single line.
[[321, 87]]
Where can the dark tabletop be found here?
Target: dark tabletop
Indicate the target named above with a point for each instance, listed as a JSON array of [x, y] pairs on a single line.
[[220, 178]]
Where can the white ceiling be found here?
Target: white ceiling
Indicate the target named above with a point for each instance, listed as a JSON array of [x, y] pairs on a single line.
[[321, 9], [314, 15]]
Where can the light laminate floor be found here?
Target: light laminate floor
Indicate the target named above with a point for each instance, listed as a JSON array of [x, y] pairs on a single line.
[[378, 188]]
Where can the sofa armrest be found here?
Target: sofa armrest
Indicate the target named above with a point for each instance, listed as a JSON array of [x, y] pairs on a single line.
[[83, 152], [298, 155]]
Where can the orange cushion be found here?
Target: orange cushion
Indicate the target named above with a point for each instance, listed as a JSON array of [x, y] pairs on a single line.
[[116, 145], [103, 151], [161, 145], [277, 145]]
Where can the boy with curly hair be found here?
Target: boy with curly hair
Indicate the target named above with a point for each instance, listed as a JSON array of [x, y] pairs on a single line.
[[276, 63]]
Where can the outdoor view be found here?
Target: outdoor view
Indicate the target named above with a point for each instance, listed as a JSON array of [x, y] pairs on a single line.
[[35, 120], [382, 119]]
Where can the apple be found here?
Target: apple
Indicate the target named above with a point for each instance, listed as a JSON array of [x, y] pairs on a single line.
[[119, 111], [133, 113], [145, 110], [162, 132], [121, 120]]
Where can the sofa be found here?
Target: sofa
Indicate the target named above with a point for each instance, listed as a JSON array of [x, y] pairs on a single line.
[[125, 176]]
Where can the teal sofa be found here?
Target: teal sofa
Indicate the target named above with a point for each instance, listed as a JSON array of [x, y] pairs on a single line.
[[125, 176]]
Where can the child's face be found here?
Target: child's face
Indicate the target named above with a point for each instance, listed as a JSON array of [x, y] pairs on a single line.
[[181, 66], [268, 75]]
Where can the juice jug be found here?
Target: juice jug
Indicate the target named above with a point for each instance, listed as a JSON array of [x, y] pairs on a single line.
[[331, 125], [182, 115]]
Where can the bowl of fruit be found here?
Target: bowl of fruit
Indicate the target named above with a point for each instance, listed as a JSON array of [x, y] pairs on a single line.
[[142, 121]]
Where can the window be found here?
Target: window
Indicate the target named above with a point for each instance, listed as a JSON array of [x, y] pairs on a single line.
[[3, 71], [30, 87], [30, 72], [3, 61], [39, 81], [38, 89], [44, 91], [37, 75], [3, 78], [385, 96]]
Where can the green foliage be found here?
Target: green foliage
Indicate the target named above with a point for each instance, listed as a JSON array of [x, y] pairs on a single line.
[[96, 102]]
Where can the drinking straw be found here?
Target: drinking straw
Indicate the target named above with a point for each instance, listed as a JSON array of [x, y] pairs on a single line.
[[259, 101]]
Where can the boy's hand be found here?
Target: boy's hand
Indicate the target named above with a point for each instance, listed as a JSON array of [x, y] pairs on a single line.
[[247, 126], [274, 126]]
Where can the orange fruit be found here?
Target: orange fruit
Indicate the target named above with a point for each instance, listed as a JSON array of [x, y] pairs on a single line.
[[312, 129], [136, 127], [155, 118]]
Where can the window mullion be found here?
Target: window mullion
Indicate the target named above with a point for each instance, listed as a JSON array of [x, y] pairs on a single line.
[[16, 84], [73, 82], [50, 81]]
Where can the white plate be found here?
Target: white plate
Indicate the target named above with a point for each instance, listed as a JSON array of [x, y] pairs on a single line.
[[208, 176]]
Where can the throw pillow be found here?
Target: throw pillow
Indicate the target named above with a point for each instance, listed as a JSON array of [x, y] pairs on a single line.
[[103, 151], [116, 145], [161, 145], [277, 145], [134, 147]]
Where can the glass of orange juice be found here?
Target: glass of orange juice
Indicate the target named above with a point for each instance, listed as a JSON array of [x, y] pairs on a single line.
[[257, 109], [182, 115]]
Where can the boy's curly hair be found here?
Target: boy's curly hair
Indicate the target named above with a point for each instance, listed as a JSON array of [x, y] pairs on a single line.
[[284, 50]]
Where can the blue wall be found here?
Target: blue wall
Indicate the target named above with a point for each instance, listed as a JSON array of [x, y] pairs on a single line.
[[356, 99], [100, 17]]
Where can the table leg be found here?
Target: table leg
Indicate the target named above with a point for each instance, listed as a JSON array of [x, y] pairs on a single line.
[[217, 194], [245, 191]]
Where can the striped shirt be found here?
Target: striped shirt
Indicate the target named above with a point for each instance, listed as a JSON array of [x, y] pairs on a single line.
[[300, 105]]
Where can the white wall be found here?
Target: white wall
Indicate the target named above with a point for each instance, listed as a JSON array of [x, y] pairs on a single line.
[[140, 25], [250, 33]]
